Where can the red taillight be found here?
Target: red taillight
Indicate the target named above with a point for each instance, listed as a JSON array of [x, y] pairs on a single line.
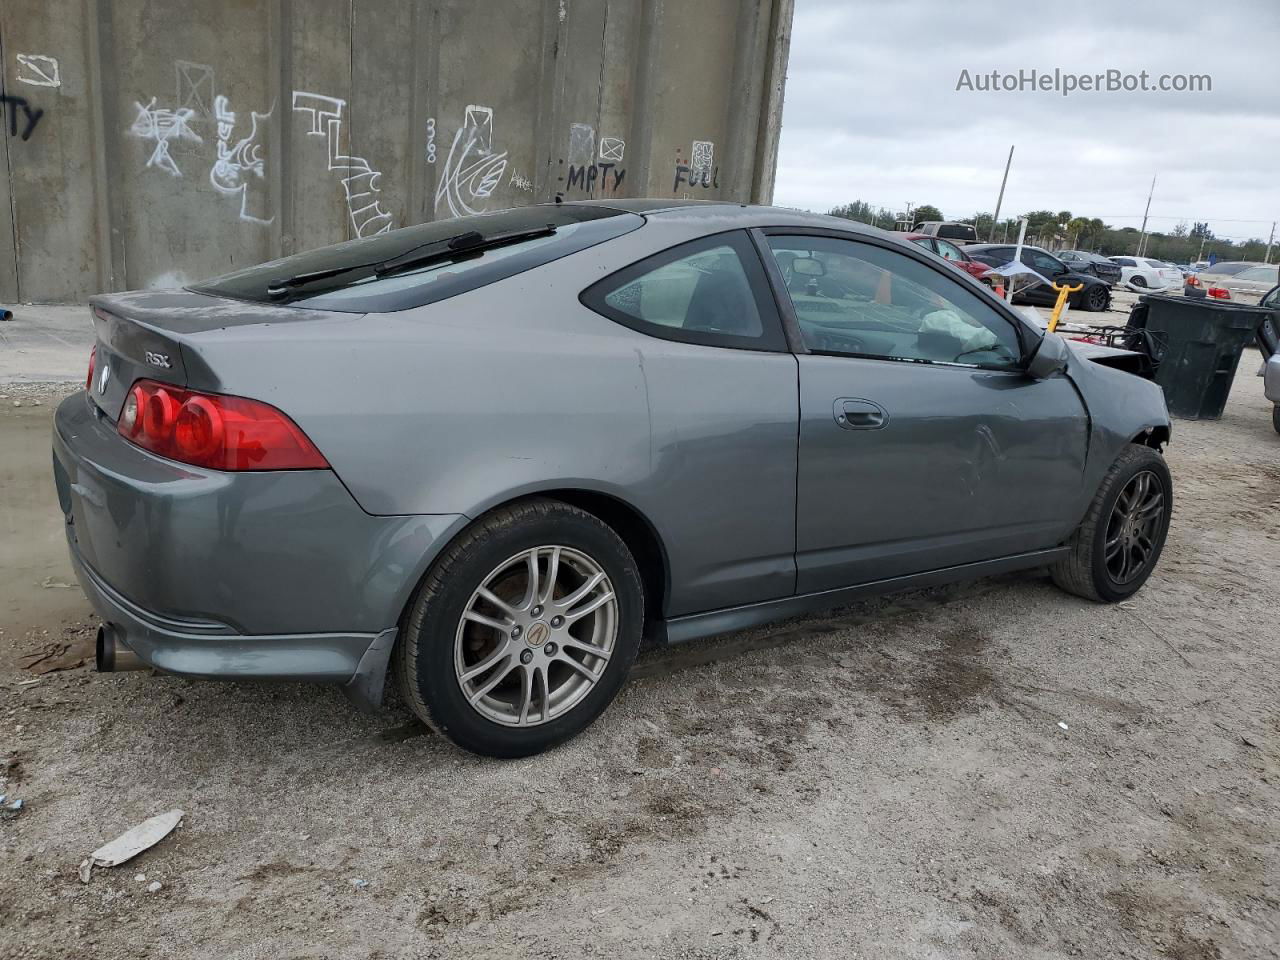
[[216, 431], [93, 358], [1221, 293]]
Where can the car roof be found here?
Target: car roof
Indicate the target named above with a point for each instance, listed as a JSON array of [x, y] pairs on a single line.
[[643, 205], [736, 215], [980, 247]]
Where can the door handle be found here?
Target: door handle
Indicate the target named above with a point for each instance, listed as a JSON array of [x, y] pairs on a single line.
[[852, 413]]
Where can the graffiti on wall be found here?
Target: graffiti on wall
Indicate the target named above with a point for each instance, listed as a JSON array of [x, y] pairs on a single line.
[[193, 84], [162, 126], [700, 171], [472, 170], [240, 164], [38, 70], [588, 168], [359, 180], [18, 108]]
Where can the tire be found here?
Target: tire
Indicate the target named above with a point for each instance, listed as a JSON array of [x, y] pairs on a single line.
[[1138, 280], [1088, 571], [1275, 417], [438, 648], [1096, 299]]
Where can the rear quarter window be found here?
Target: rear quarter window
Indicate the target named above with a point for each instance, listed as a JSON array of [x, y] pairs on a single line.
[[710, 291]]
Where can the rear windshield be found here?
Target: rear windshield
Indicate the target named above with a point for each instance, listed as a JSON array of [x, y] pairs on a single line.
[[360, 291], [1228, 268], [957, 231]]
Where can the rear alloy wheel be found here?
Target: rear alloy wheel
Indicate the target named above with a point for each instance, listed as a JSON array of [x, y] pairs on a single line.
[[1117, 546], [524, 630], [1096, 299], [536, 636], [1138, 281]]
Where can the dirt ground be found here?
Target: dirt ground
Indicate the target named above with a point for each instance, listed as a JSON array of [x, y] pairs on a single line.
[[996, 770]]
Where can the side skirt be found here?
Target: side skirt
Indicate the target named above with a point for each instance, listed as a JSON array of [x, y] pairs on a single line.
[[695, 625]]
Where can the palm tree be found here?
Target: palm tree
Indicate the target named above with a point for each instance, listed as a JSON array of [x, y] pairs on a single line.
[[1097, 228], [1077, 227]]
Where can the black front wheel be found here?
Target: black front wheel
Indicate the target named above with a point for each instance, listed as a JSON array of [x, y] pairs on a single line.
[[1096, 299], [1120, 540], [1275, 417]]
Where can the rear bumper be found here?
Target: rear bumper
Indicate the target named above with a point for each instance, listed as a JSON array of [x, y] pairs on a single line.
[[356, 660], [215, 574]]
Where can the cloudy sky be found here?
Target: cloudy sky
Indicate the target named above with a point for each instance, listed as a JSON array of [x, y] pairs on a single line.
[[872, 111]]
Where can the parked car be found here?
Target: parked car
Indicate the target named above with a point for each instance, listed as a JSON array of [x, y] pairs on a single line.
[[499, 449], [1241, 278], [949, 230], [1145, 272], [1269, 344], [1094, 295], [952, 254], [1081, 261]]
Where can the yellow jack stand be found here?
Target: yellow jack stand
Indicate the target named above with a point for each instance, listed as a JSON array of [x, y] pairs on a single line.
[[1063, 293]]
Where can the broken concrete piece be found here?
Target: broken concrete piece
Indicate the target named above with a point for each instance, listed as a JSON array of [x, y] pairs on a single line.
[[131, 843]]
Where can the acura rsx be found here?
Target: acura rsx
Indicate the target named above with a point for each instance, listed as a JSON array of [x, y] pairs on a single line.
[[489, 455]]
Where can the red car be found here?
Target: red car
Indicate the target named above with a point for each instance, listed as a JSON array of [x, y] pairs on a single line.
[[953, 255]]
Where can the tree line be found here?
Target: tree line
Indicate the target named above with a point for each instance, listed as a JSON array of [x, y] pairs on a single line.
[[1065, 231]]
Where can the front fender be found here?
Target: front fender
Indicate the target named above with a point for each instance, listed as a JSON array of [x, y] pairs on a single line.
[[1121, 406]]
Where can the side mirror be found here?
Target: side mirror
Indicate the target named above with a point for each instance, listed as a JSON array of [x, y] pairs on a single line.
[[1050, 357], [808, 267]]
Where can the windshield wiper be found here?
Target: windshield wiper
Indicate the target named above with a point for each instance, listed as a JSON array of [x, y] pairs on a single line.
[[461, 247]]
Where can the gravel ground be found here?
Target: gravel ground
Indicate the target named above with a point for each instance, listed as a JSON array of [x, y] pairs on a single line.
[[995, 770]]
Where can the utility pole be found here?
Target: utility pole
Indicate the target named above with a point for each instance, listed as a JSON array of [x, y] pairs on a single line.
[[1270, 240], [1017, 257], [1200, 255], [1142, 237], [1000, 199]]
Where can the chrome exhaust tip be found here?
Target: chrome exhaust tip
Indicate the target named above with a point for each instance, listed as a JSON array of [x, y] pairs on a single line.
[[112, 655]]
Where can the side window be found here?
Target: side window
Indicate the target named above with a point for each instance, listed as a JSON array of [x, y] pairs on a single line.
[[1042, 263], [949, 251], [926, 242], [862, 300], [711, 291], [1123, 261]]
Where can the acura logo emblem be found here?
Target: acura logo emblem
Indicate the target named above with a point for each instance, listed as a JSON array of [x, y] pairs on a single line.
[[103, 379], [538, 633]]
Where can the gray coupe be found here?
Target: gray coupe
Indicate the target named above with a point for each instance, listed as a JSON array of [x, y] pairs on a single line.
[[491, 454]]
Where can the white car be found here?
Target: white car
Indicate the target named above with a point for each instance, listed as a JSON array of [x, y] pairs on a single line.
[[1145, 272]]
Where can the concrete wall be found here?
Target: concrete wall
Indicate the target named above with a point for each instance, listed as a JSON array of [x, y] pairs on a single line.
[[154, 142]]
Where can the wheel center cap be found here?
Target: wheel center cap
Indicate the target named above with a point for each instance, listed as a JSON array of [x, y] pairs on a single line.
[[537, 634]]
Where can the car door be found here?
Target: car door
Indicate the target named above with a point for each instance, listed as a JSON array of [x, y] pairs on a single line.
[[720, 389], [1051, 268], [923, 442]]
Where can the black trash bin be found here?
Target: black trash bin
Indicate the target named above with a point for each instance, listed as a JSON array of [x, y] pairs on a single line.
[[1200, 342]]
